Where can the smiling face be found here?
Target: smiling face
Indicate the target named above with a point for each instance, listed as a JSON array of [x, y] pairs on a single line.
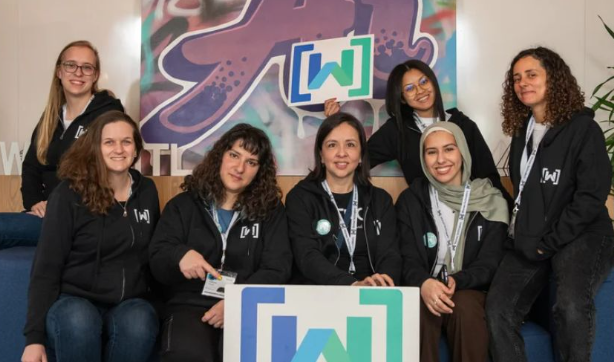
[[418, 92], [340, 153], [530, 83], [238, 169], [117, 146], [77, 84], [442, 158]]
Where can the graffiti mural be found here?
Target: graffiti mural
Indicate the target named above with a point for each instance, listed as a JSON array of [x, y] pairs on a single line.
[[209, 64]]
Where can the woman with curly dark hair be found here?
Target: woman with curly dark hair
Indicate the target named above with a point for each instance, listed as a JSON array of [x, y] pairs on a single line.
[[560, 225], [90, 272], [229, 226], [342, 228]]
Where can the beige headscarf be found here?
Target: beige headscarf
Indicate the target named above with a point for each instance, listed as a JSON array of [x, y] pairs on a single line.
[[484, 198]]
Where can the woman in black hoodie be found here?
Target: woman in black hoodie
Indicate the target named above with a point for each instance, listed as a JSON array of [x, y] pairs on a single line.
[[342, 228], [229, 225], [562, 176], [90, 270], [452, 230], [74, 102]]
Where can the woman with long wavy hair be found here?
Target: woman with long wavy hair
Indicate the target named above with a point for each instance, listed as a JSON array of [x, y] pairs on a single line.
[[560, 225], [74, 102], [90, 273], [228, 226]]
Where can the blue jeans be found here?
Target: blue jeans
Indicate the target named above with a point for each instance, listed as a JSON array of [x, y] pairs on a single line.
[[19, 229], [579, 269], [81, 330]]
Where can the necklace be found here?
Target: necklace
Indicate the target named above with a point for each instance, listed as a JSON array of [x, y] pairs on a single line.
[[125, 206]]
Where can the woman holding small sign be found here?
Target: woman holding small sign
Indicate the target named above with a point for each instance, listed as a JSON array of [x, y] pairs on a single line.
[[413, 102], [452, 230], [229, 226], [342, 228], [559, 226]]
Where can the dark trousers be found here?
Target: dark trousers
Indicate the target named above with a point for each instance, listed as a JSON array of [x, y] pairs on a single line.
[[185, 338], [465, 329], [579, 270]]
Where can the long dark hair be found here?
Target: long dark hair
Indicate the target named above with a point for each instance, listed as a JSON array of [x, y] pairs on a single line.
[[84, 167], [361, 174], [262, 195], [395, 103], [563, 94]]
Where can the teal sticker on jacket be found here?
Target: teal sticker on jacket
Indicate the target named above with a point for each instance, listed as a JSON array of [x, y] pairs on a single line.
[[430, 239], [323, 227]]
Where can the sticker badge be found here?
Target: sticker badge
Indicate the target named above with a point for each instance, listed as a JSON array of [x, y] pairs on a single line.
[[430, 239], [323, 227]]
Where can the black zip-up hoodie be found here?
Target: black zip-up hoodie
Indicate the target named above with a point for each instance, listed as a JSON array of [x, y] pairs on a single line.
[[484, 242], [565, 194], [187, 224], [38, 180], [315, 255], [384, 147], [99, 257]]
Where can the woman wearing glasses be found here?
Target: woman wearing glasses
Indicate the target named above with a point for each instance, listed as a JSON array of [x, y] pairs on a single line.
[[74, 102], [414, 101]]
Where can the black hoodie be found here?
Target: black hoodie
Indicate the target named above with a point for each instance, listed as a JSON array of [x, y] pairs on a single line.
[[483, 243], [567, 188], [384, 147], [258, 251], [38, 180], [316, 254], [102, 258]]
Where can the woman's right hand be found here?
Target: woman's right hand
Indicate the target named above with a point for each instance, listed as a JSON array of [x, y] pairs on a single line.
[[194, 266], [38, 209], [34, 353], [331, 106], [436, 296]]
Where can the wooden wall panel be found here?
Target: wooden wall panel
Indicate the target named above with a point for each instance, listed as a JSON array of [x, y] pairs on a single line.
[[168, 186]]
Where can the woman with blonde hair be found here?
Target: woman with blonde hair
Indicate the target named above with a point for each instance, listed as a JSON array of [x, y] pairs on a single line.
[[74, 102]]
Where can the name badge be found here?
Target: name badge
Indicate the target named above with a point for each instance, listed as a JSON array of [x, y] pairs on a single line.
[[215, 287]]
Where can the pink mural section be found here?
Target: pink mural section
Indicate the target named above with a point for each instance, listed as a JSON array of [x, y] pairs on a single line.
[[209, 64]]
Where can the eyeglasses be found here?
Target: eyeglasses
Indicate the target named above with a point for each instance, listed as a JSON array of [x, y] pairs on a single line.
[[71, 67], [411, 89]]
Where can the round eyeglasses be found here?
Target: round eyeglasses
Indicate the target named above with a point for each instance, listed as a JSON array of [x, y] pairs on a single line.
[[71, 67]]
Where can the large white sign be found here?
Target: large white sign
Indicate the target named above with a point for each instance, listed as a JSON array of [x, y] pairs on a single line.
[[321, 323]]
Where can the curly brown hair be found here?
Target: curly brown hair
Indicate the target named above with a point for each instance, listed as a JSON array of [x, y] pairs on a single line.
[[563, 94], [262, 195], [84, 167]]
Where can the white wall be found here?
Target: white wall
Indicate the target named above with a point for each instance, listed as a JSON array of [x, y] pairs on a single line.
[[490, 33]]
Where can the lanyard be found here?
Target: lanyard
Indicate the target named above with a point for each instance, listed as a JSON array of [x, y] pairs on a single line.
[[453, 244], [224, 235], [525, 175], [350, 237]]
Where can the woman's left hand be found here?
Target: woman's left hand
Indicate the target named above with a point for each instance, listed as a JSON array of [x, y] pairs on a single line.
[[375, 280], [215, 315], [451, 286]]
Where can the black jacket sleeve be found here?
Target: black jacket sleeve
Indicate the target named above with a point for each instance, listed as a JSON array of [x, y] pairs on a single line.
[[51, 253], [275, 262], [31, 177], [168, 245], [306, 246], [388, 253], [481, 271], [593, 182], [383, 145], [415, 268]]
